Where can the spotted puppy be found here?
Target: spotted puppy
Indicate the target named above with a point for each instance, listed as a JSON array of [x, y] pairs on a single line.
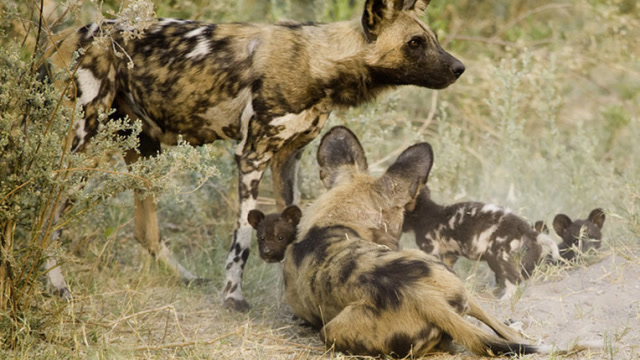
[[268, 87], [275, 231], [479, 231], [580, 235], [365, 298]]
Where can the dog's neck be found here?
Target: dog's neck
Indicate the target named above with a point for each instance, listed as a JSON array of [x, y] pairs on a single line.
[[341, 65]]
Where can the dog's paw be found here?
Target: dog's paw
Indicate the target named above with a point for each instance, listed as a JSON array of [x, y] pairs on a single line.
[[238, 305]]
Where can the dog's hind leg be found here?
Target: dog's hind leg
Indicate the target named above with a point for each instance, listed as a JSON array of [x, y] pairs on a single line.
[[366, 330], [506, 332], [146, 229], [284, 170], [55, 278]]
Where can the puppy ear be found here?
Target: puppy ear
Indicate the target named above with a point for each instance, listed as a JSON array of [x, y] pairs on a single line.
[[292, 214], [560, 223], [597, 217], [339, 153], [255, 217], [541, 227], [410, 171]]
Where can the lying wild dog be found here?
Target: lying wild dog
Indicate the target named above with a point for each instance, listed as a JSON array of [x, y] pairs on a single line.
[[268, 87], [366, 298], [479, 231], [579, 235], [275, 231]]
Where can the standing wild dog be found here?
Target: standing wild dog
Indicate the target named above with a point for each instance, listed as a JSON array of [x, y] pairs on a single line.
[[478, 231], [275, 231], [579, 235], [366, 298], [268, 87]]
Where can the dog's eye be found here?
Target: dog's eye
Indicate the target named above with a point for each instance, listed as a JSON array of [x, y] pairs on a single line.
[[280, 238], [261, 238], [415, 42]]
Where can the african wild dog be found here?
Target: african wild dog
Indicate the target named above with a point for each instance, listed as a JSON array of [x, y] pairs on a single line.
[[268, 87], [580, 235], [275, 231], [479, 231], [366, 298]]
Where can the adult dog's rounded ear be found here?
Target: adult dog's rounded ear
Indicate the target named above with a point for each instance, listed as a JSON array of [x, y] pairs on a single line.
[[411, 169], [339, 149], [597, 217], [560, 223], [377, 12], [292, 214], [255, 217]]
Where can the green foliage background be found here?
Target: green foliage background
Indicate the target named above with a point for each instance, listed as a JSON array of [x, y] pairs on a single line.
[[545, 120]]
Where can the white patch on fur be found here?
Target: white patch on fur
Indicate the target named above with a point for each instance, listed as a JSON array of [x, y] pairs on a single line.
[[491, 208], [247, 114], [88, 84], [54, 274], [92, 29], [457, 218], [509, 291], [293, 123], [169, 21], [253, 44], [195, 32], [481, 241], [515, 244], [201, 49], [548, 246]]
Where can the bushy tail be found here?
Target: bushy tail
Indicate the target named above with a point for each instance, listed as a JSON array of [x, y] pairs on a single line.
[[549, 246], [473, 338]]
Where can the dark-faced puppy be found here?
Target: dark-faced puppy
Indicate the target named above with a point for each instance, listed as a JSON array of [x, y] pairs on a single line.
[[580, 235], [479, 231], [275, 231]]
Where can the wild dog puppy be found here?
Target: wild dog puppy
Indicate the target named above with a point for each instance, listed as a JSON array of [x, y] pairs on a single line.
[[579, 235], [479, 231], [268, 87], [275, 231], [366, 298]]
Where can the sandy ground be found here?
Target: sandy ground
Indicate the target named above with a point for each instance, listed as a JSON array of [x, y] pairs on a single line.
[[597, 304]]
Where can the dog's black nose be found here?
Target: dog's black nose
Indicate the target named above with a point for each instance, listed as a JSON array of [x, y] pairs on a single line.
[[457, 69]]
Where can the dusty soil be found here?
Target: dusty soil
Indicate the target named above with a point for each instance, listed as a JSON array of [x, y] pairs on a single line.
[[598, 304]]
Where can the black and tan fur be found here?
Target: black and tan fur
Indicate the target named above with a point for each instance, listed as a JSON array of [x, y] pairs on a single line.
[[366, 298], [275, 231], [268, 87], [479, 231], [580, 235]]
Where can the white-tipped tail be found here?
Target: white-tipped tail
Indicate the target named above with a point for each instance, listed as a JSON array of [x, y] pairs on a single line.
[[548, 246]]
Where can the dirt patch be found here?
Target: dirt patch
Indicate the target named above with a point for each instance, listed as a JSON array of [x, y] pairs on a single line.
[[599, 304]]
